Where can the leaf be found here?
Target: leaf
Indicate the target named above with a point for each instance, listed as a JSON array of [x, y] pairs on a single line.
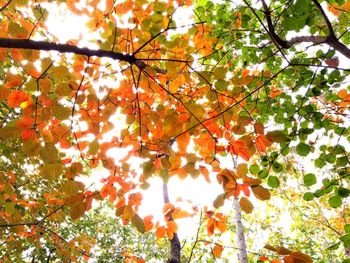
[[94, 147], [246, 205], [335, 201], [308, 196], [70, 188], [60, 112], [49, 153], [16, 98], [138, 222], [74, 200], [160, 232], [219, 201], [217, 251], [242, 169], [282, 250], [309, 179], [77, 211], [303, 149], [273, 181], [346, 240], [261, 192], [251, 181], [179, 213], [299, 257], [182, 142], [277, 136], [334, 246]]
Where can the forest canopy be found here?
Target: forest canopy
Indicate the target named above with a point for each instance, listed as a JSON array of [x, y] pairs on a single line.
[[249, 97]]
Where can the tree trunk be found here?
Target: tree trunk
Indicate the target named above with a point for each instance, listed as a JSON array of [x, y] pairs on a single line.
[[175, 246], [242, 248]]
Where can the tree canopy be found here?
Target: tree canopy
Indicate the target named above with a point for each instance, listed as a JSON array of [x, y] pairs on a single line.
[[250, 95]]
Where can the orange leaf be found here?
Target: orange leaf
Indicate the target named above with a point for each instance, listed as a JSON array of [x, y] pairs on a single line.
[[28, 134], [346, 7], [204, 171], [210, 226], [217, 251], [262, 142], [182, 142], [160, 232], [16, 97], [179, 213]]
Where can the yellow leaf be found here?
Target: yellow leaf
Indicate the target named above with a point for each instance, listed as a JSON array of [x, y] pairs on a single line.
[[246, 205], [94, 147], [242, 170], [49, 153], [60, 112], [70, 188]]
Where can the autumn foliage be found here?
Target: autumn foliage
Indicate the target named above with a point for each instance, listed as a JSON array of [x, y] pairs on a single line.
[[181, 100]]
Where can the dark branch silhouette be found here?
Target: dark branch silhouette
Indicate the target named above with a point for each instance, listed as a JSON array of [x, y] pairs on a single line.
[[64, 48], [331, 39]]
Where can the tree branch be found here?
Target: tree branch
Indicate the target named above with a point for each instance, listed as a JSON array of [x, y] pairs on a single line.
[[325, 17], [331, 40], [271, 28], [64, 48], [5, 5], [302, 39]]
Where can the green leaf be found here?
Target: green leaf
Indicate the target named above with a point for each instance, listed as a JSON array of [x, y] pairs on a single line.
[[343, 192], [310, 179], [308, 196], [334, 247], [263, 174], [303, 149], [346, 240], [254, 169], [347, 228], [273, 181], [335, 201], [221, 85]]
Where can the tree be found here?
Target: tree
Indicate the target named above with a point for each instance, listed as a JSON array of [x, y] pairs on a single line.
[[249, 84]]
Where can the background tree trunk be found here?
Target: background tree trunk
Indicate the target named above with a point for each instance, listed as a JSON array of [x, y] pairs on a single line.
[[175, 246], [242, 248]]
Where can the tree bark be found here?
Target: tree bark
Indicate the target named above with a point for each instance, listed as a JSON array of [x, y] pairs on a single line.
[[175, 246], [242, 248]]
